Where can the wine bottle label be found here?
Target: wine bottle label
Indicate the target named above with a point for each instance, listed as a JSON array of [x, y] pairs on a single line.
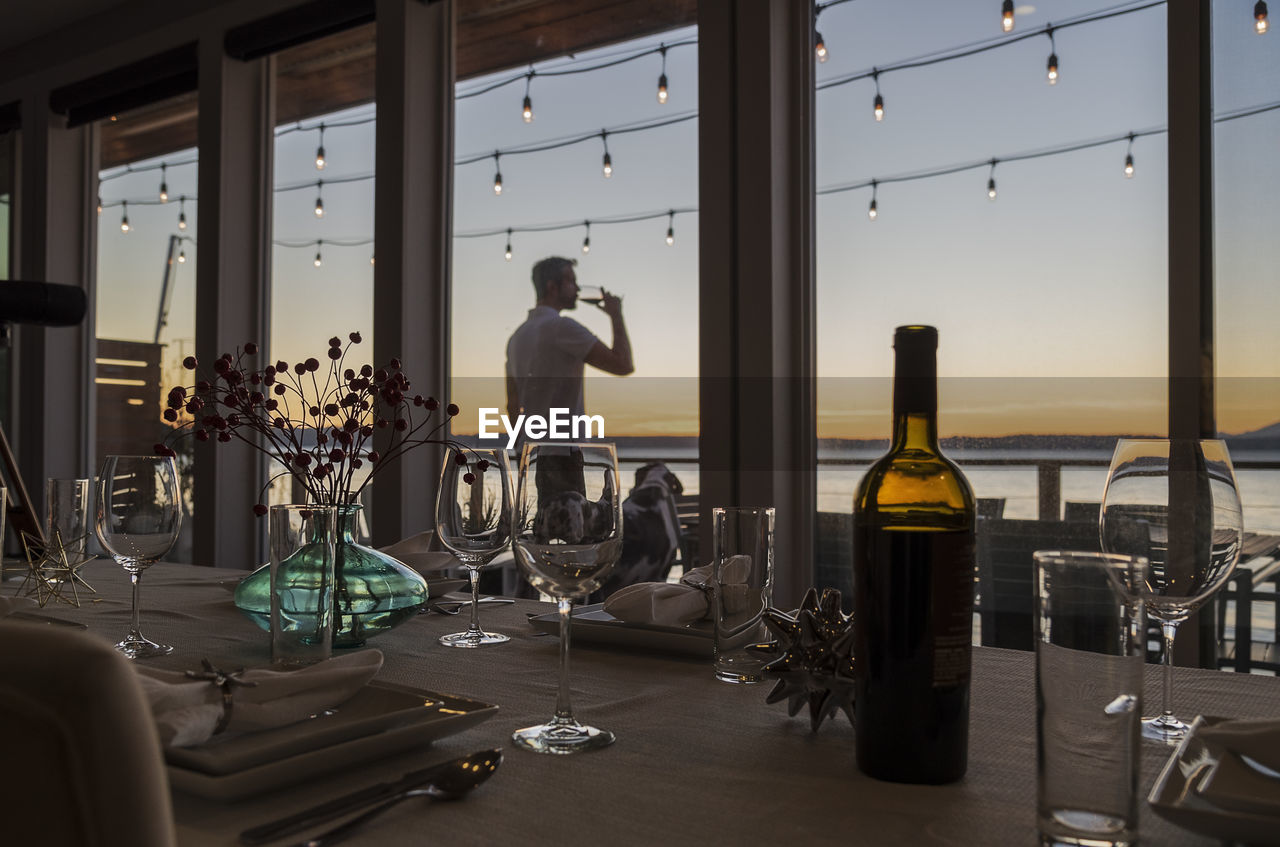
[[953, 558]]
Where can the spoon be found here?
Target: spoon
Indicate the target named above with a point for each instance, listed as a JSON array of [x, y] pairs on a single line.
[[453, 783]]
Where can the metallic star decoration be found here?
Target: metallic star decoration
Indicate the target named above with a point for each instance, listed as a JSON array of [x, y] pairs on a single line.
[[816, 665], [53, 573]]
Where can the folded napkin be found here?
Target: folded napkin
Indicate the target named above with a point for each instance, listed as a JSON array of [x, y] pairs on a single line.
[[421, 552], [1235, 783], [683, 602], [187, 711]]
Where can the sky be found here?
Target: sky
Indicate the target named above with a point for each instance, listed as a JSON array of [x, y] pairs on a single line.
[[1050, 301]]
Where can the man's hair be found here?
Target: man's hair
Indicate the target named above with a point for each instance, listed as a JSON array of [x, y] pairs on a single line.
[[550, 269]]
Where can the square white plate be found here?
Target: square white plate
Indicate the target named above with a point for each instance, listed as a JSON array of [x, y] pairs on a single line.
[[593, 625], [380, 720]]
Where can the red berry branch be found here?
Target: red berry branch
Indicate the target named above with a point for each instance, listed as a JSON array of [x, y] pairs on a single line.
[[318, 427]]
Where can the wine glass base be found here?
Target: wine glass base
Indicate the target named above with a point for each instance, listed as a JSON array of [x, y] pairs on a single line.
[[562, 738], [136, 646], [1166, 729], [471, 639]]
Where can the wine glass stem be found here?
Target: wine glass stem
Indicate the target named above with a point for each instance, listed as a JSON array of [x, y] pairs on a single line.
[[136, 579], [1169, 630], [564, 712], [474, 573]]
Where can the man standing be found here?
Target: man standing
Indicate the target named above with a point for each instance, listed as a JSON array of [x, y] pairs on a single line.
[[546, 353]]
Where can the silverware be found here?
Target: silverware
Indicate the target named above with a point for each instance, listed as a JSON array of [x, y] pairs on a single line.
[[336, 808], [455, 606], [453, 782]]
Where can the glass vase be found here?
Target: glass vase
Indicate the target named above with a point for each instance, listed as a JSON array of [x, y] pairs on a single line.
[[372, 592]]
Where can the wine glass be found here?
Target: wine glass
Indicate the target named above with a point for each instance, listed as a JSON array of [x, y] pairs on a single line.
[[567, 536], [1175, 502], [473, 520], [139, 514]]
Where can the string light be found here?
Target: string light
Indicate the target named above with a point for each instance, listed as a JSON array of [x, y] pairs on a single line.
[[182, 213], [319, 198], [991, 181], [1260, 24], [819, 46], [507, 252], [1053, 58], [1128, 159], [606, 166], [320, 162], [497, 175], [371, 258], [871, 210], [99, 205], [586, 239], [671, 227], [878, 105], [662, 77], [317, 262], [164, 184], [1006, 16], [124, 217], [182, 257], [526, 110]]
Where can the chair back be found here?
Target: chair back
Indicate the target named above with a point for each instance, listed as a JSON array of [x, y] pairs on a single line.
[[82, 765]]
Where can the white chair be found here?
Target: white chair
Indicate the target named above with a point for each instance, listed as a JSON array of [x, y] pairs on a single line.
[[82, 765]]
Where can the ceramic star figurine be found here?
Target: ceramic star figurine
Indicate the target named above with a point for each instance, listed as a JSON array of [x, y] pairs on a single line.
[[816, 664]]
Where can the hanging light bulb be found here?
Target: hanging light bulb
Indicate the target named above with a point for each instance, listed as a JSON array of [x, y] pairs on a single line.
[[497, 176], [1053, 60], [671, 228], [1006, 16], [662, 89], [507, 253], [182, 257], [1128, 159], [182, 213], [878, 105], [99, 205], [586, 239], [526, 110], [164, 184], [124, 216], [317, 262], [319, 199], [607, 167], [871, 210], [819, 46], [1260, 24], [991, 181], [371, 259], [320, 162]]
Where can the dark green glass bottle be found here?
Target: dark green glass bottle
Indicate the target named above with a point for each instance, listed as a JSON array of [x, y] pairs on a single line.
[[913, 565]]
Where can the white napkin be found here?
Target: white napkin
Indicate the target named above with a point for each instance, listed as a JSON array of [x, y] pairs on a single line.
[[187, 711], [685, 602], [1235, 784]]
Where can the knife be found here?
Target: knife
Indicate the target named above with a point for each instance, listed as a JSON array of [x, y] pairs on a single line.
[[346, 804]]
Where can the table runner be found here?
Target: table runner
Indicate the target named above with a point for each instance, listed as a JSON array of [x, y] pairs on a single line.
[[697, 761]]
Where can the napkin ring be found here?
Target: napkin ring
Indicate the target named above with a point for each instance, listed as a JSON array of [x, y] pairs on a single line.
[[224, 681]]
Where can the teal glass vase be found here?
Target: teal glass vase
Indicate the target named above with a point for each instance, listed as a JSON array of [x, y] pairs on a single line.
[[372, 592]]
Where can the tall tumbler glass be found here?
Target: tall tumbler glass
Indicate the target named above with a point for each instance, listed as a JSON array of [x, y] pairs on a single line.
[[302, 574], [66, 522], [1090, 648], [742, 587]]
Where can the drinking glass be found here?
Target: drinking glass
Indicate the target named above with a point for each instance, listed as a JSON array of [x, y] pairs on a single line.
[[567, 536], [1173, 501], [473, 520], [67, 502], [139, 514]]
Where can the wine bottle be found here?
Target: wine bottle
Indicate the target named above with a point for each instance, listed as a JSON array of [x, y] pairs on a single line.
[[913, 564]]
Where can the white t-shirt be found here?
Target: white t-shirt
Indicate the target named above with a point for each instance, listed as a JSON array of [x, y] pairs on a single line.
[[545, 356]]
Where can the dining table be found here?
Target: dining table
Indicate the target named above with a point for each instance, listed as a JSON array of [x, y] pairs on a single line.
[[696, 761]]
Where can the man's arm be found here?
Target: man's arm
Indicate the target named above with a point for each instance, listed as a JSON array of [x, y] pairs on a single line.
[[513, 398], [616, 359]]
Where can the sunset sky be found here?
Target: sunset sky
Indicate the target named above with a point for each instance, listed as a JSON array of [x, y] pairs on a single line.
[[1050, 301]]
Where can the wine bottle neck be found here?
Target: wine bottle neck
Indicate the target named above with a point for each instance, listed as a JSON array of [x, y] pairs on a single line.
[[915, 431]]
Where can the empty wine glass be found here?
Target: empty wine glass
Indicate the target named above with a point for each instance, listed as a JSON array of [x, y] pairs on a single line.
[[138, 517], [1175, 502], [473, 520], [567, 536]]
